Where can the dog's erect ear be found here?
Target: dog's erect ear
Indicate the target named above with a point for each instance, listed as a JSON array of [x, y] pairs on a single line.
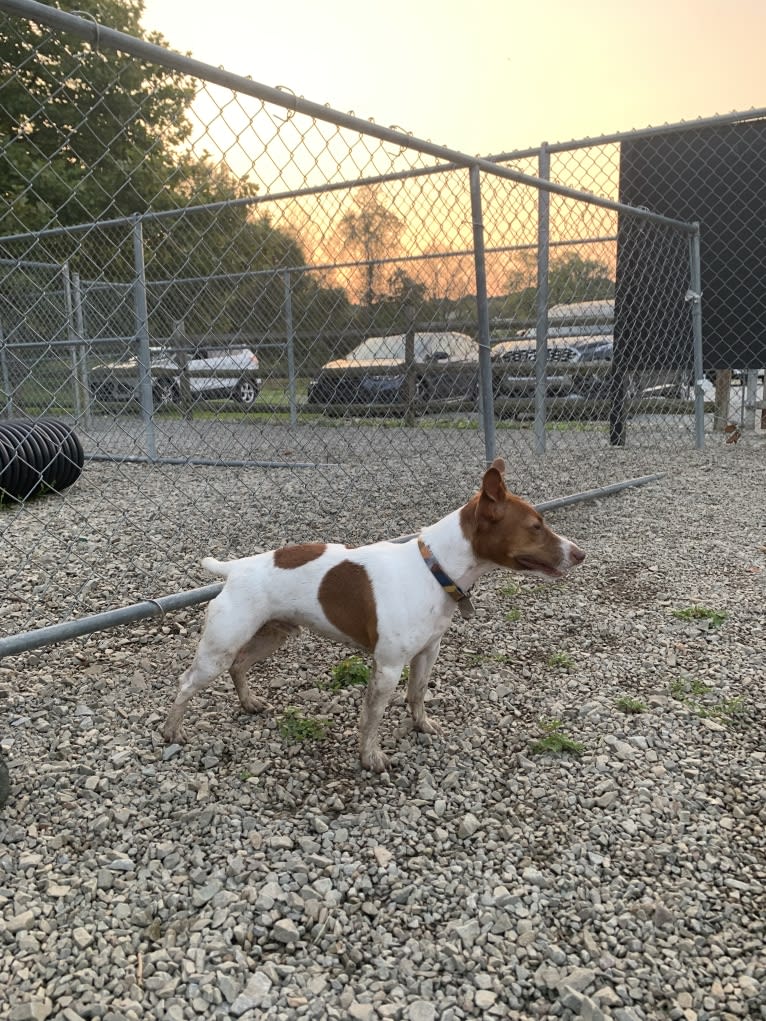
[[492, 485]]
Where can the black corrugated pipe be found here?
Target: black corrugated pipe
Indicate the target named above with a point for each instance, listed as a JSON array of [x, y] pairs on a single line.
[[36, 456]]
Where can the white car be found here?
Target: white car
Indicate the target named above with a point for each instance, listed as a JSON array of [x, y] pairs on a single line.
[[212, 372]]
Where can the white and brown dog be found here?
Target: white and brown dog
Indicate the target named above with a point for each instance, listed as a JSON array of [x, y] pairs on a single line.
[[392, 599]]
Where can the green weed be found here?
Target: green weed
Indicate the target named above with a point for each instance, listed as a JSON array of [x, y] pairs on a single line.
[[714, 617], [555, 741], [629, 705], [294, 727], [692, 693], [725, 710], [561, 659], [349, 673], [682, 687]]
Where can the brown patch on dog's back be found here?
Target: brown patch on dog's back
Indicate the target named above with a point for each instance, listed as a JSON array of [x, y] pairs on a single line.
[[347, 599], [290, 557]]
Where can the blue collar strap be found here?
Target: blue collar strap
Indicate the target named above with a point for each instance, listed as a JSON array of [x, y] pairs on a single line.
[[452, 589]]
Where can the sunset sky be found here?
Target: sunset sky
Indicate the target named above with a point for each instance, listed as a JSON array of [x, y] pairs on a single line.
[[491, 75]]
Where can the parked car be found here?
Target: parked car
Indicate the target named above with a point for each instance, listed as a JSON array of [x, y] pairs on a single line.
[[566, 350], [445, 368], [213, 372]]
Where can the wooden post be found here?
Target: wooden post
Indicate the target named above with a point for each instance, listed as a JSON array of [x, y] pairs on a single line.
[[722, 394]]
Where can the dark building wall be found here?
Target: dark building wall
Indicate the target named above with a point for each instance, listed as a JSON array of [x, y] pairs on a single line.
[[716, 175]]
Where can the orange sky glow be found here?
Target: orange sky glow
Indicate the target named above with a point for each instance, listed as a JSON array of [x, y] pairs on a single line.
[[491, 76], [485, 78]]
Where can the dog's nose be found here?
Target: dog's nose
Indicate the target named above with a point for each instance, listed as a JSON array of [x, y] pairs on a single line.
[[576, 554]]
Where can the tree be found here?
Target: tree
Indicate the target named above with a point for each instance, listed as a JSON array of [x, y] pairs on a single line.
[[372, 232], [570, 279], [85, 134], [88, 136]]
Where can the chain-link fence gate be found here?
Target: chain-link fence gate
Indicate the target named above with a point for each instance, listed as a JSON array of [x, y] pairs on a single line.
[[241, 300]]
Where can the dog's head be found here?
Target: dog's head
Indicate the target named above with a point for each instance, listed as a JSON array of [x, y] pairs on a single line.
[[508, 531]]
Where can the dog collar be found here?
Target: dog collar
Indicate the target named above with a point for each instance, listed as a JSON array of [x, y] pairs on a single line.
[[452, 589]]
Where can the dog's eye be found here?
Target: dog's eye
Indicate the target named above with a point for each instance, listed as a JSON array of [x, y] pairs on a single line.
[[537, 526]]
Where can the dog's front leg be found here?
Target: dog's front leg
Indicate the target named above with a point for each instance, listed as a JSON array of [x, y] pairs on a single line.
[[420, 671], [380, 688]]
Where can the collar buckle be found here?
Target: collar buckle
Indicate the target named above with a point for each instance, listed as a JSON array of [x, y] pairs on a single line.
[[463, 600]]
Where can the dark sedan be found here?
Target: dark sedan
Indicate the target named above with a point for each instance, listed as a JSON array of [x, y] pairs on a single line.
[[444, 369]]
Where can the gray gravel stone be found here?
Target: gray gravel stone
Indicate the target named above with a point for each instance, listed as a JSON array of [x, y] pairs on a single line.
[[469, 824], [254, 995], [421, 1010], [285, 931], [33, 1009]]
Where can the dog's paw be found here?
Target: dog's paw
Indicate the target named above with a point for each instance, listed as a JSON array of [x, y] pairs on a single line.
[[173, 735], [252, 705], [429, 726], [374, 760]]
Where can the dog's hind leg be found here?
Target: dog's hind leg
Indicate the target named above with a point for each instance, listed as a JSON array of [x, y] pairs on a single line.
[[263, 643], [420, 671], [224, 635]]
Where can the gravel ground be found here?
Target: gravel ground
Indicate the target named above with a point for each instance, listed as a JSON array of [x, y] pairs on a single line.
[[248, 876]]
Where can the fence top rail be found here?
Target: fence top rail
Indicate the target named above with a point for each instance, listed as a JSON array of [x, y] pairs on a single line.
[[735, 117], [102, 37]]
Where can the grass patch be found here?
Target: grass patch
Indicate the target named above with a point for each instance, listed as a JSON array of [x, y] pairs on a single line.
[[725, 710], [715, 618], [631, 706], [682, 687], [294, 726], [560, 660], [554, 741], [479, 658], [512, 589], [349, 673], [513, 615], [696, 696]]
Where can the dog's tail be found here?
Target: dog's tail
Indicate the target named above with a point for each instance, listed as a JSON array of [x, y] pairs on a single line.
[[217, 567]]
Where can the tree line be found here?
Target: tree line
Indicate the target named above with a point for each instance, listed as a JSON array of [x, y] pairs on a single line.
[[87, 136]]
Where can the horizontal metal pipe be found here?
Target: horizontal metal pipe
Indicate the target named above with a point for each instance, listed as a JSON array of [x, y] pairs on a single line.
[[718, 120], [99, 36], [68, 629], [596, 494], [27, 641], [204, 462]]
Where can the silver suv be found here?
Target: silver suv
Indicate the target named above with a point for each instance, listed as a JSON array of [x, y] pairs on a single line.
[[212, 372], [566, 347]]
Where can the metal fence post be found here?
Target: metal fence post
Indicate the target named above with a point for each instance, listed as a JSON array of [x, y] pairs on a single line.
[[71, 335], [751, 400], [142, 337], [410, 382], [541, 311], [486, 402], [6, 377], [81, 362], [180, 353], [292, 390], [695, 296]]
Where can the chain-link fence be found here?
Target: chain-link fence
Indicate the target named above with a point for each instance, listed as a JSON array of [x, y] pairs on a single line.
[[239, 299]]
